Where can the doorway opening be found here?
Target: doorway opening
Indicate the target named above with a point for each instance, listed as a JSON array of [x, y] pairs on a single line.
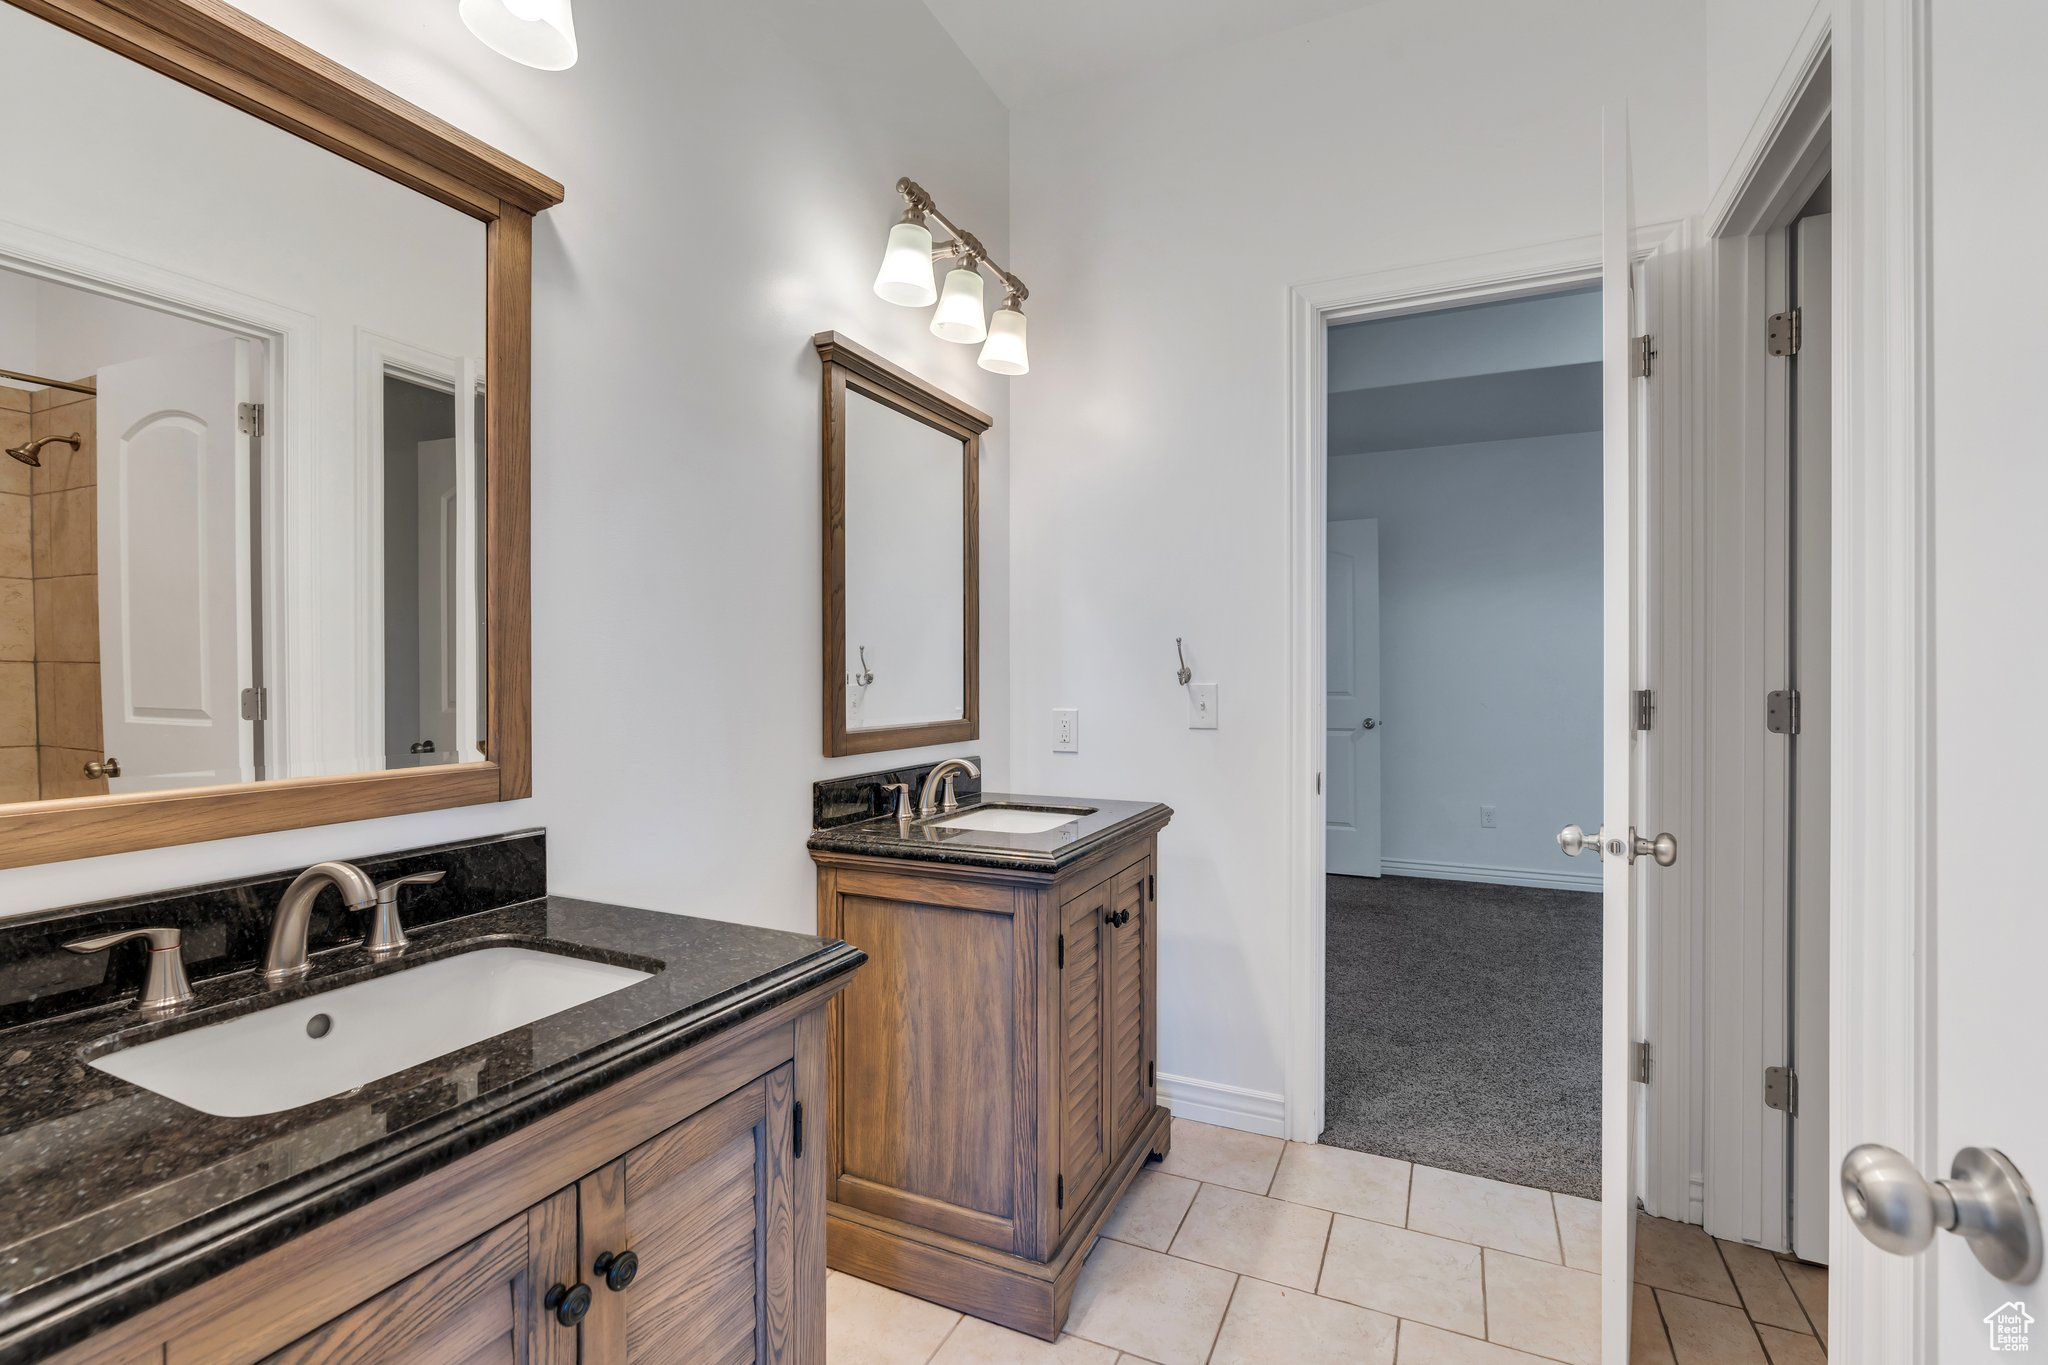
[[1463, 658]]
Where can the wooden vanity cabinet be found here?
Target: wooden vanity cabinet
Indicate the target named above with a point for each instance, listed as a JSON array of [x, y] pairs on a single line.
[[684, 1204], [993, 1088]]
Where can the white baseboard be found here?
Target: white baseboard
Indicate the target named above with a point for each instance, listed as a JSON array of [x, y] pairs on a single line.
[[1226, 1106], [1497, 876]]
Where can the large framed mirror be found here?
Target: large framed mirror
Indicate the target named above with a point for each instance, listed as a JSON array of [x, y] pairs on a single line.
[[902, 506], [264, 395]]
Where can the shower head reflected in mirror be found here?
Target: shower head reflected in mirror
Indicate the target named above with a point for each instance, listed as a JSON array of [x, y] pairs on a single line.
[[32, 453]]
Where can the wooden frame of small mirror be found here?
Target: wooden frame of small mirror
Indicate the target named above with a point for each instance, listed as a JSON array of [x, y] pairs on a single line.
[[215, 48], [849, 368]]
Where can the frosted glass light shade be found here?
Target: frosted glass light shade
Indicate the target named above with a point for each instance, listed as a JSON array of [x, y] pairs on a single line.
[[959, 317], [539, 33], [906, 274], [1004, 352]]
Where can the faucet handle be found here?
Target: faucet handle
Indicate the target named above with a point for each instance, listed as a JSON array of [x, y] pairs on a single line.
[[166, 990], [387, 933], [902, 790]]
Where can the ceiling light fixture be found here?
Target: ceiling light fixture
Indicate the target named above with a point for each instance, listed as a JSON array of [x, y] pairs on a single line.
[[906, 277], [538, 33]]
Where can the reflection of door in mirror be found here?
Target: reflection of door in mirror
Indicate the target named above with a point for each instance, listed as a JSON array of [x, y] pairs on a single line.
[[431, 690], [195, 594], [904, 543]]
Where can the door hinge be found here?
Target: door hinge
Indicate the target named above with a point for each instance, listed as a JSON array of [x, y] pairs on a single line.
[[1151, 1075], [249, 418], [1643, 1061], [796, 1132], [1781, 1090], [1319, 784], [1781, 712], [1059, 1197], [255, 703], [1642, 355], [1151, 886], [1646, 708], [1782, 335], [1063, 952]]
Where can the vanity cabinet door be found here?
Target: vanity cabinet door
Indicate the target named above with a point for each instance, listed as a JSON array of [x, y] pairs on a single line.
[[707, 1210], [1127, 959], [1083, 1100], [481, 1304]]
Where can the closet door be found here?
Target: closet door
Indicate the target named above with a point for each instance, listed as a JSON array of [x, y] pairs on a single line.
[[706, 1213], [1083, 1107], [1127, 1040]]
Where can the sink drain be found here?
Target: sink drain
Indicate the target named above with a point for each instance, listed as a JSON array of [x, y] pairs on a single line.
[[317, 1026]]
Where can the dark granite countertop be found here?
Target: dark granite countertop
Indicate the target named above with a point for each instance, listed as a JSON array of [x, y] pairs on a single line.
[[117, 1198], [1095, 825]]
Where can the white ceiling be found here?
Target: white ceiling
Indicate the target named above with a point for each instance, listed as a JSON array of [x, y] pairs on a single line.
[[1027, 50]]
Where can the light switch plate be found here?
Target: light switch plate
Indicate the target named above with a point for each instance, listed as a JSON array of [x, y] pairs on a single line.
[[1486, 817], [1066, 730], [1201, 706]]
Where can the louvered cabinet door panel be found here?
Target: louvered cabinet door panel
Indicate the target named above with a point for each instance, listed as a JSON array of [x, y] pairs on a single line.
[[1083, 1112], [706, 1207], [1128, 1042], [478, 1305]]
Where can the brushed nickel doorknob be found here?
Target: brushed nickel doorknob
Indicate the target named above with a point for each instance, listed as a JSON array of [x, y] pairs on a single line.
[[1985, 1200], [1575, 841], [1371, 724], [1663, 848]]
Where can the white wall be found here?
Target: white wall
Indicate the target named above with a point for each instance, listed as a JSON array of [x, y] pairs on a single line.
[[1489, 649], [1749, 44], [1161, 221], [730, 173]]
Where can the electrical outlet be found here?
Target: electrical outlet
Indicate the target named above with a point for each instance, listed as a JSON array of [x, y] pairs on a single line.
[[1066, 730], [1201, 706], [1486, 817]]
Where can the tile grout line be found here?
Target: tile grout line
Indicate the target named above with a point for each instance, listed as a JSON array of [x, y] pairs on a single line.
[[1236, 1280], [1743, 1298], [958, 1318], [1804, 1312], [1323, 1261], [1557, 1226], [1663, 1327]]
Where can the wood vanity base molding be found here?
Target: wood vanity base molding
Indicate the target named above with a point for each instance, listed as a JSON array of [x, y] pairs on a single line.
[[993, 1089]]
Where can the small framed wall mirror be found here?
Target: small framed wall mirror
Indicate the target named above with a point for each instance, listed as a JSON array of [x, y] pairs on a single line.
[[902, 558], [263, 402]]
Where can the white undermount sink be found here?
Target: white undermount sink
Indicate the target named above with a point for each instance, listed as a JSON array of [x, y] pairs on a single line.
[[282, 1057], [1010, 820]]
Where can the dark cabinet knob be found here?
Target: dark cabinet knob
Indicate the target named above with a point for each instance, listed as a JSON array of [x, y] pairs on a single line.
[[618, 1271], [571, 1303]]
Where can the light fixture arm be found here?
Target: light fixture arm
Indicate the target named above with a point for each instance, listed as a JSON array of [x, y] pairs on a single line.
[[919, 205]]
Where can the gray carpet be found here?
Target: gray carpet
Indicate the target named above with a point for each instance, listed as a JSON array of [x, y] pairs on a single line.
[[1464, 1028]]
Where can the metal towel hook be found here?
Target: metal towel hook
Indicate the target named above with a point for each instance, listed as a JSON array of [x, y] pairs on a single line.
[[866, 676], [1186, 674]]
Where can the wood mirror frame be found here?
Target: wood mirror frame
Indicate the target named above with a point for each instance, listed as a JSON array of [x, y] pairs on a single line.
[[848, 366], [221, 51]]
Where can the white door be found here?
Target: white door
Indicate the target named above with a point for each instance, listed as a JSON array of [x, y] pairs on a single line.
[[1620, 790], [1352, 597], [1813, 1184], [440, 625], [175, 617]]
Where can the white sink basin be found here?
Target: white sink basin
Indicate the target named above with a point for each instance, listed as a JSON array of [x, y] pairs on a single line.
[[267, 1061], [1011, 820]]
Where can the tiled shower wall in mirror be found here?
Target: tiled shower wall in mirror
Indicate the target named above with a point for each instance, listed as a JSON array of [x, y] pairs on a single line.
[[49, 599]]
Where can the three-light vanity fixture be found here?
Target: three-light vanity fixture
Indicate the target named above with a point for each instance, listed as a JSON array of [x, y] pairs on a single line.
[[540, 33], [907, 277]]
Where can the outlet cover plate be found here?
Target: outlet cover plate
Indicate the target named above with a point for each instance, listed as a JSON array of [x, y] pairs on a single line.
[[1066, 730]]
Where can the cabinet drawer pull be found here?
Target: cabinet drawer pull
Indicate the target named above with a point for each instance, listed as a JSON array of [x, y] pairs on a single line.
[[571, 1303], [618, 1271]]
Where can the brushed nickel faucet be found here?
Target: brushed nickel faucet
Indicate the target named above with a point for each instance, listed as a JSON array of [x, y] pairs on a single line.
[[943, 770], [387, 935], [284, 961]]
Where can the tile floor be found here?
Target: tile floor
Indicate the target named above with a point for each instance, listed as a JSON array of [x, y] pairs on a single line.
[[1246, 1250]]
